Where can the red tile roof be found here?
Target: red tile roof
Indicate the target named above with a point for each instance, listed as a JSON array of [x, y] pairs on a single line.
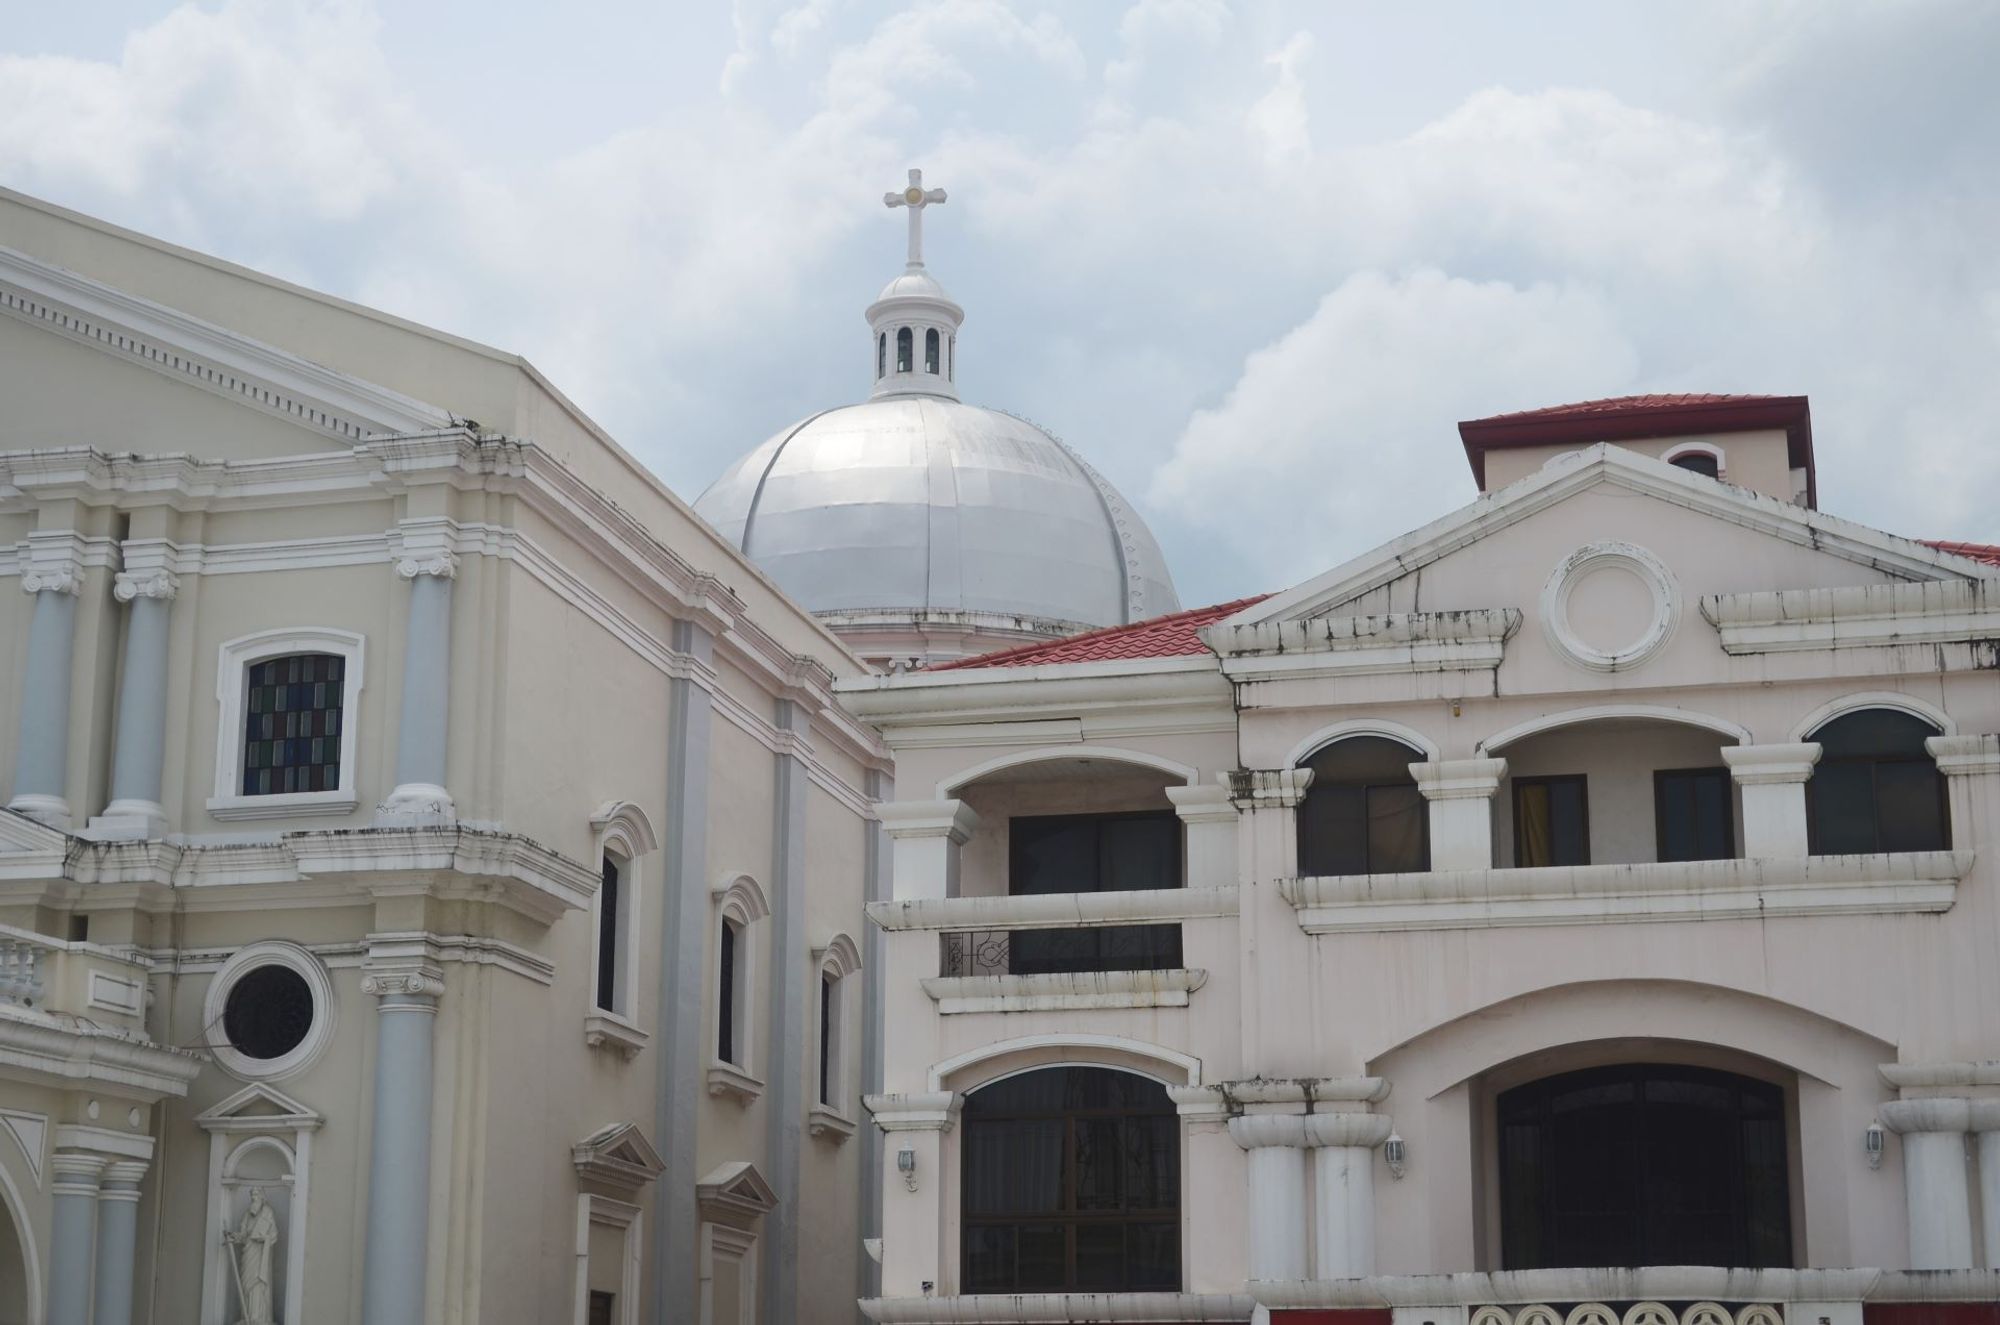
[[1171, 636], [1986, 552], [1625, 404]]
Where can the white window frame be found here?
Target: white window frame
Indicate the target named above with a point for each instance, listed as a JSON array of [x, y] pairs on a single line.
[[272, 952], [233, 663], [629, 1220], [622, 832], [738, 900], [831, 1118], [1709, 449]]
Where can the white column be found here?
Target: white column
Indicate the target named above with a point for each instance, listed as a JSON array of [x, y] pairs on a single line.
[[53, 576], [914, 1263], [1277, 1192], [1344, 1191], [1984, 1118], [397, 1249], [1460, 792], [1971, 766], [1940, 1206], [117, 1241], [1209, 819], [1773, 779], [139, 741], [73, 1236], [423, 727], [926, 837]]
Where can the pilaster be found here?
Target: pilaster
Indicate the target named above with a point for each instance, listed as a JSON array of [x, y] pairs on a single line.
[[1983, 1116], [915, 1191], [925, 837], [1460, 796], [73, 1234], [1209, 820], [1934, 1185], [149, 585], [53, 576], [1971, 767], [786, 1105], [399, 1159], [1773, 781], [425, 558], [117, 1240]]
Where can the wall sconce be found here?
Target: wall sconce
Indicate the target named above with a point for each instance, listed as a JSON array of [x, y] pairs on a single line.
[[906, 1164], [1394, 1155], [1871, 1144]]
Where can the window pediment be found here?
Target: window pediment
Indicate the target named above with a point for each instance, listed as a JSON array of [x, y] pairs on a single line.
[[734, 1193], [618, 1156]]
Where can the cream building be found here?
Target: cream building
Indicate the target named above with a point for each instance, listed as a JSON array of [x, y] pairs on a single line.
[[431, 885], [1580, 910]]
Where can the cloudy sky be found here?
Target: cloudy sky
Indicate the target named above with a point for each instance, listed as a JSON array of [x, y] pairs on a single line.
[[1255, 259]]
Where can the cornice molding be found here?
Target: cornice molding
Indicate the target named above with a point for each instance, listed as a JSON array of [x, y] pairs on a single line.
[[1855, 616], [200, 354]]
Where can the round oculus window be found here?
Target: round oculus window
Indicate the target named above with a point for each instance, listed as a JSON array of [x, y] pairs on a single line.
[[269, 1012]]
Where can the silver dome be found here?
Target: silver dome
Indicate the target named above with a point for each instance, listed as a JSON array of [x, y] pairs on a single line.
[[923, 504]]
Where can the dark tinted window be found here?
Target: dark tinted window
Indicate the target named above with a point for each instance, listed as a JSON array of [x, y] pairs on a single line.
[[931, 351], [1089, 853], [725, 996], [1699, 463], [268, 1013], [1644, 1165], [1876, 788], [291, 724], [1363, 813], [825, 1039], [1551, 821], [1694, 813], [607, 936], [1071, 1181], [903, 350]]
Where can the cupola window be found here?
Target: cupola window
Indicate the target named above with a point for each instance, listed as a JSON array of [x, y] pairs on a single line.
[[905, 347], [881, 354], [931, 351]]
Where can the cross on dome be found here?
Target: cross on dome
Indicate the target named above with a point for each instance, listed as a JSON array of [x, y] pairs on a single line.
[[916, 197]]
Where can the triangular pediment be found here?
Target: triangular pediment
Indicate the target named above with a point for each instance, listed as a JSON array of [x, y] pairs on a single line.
[[259, 1108], [734, 1193], [618, 1156], [204, 356], [1365, 585]]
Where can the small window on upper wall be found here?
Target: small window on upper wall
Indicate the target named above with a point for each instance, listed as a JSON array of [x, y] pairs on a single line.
[[1551, 821], [1876, 787], [931, 350], [1700, 462], [905, 350], [881, 354], [610, 933], [728, 995], [828, 1053], [951, 360], [1694, 813], [294, 706]]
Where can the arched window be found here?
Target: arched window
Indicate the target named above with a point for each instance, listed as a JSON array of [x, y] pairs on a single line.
[[623, 836], [740, 905], [951, 361], [903, 349], [1875, 787], [1644, 1164], [881, 353], [1071, 1182], [931, 350], [837, 962], [1700, 462], [1363, 813]]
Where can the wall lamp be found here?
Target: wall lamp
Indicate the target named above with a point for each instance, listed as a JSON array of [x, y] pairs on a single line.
[[1394, 1155], [906, 1164], [1871, 1144]]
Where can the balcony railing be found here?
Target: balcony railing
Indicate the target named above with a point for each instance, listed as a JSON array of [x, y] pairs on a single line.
[[42, 974], [1060, 951]]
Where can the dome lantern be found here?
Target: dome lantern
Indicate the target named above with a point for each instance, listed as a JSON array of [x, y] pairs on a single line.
[[913, 324]]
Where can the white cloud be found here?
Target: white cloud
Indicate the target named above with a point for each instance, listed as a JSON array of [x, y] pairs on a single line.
[[1331, 440], [1279, 118]]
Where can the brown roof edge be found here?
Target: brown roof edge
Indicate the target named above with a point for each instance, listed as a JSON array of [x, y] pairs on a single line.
[[1678, 419]]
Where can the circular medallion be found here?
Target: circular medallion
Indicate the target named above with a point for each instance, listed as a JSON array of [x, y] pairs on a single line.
[[913, 196], [1610, 606]]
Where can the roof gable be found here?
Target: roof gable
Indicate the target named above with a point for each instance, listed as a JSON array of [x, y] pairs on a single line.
[[1595, 467]]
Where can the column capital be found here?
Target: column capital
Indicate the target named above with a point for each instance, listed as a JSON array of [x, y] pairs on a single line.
[[1937, 1113], [121, 1180], [953, 820], [1761, 765], [925, 1111], [77, 1172], [1965, 756], [1459, 779], [1203, 803], [405, 983], [54, 562], [155, 583], [441, 562], [1269, 788], [1366, 1130], [424, 546], [1261, 1131]]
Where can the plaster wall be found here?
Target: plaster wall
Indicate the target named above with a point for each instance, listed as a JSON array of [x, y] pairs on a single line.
[[1755, 460]]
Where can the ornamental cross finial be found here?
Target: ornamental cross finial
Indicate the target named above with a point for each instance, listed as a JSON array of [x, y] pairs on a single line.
[[916, 197]]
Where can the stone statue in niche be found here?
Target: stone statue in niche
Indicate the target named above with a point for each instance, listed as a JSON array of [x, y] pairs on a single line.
[[253, 1244]]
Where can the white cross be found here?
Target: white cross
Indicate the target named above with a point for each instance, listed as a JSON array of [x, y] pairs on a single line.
[[916, 198]]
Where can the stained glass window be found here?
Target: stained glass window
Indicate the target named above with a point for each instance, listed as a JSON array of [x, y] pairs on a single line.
[[292, 724]]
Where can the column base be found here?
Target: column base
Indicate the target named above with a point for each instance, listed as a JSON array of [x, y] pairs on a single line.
[[417, 805], [127, 821], [43, 809]]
